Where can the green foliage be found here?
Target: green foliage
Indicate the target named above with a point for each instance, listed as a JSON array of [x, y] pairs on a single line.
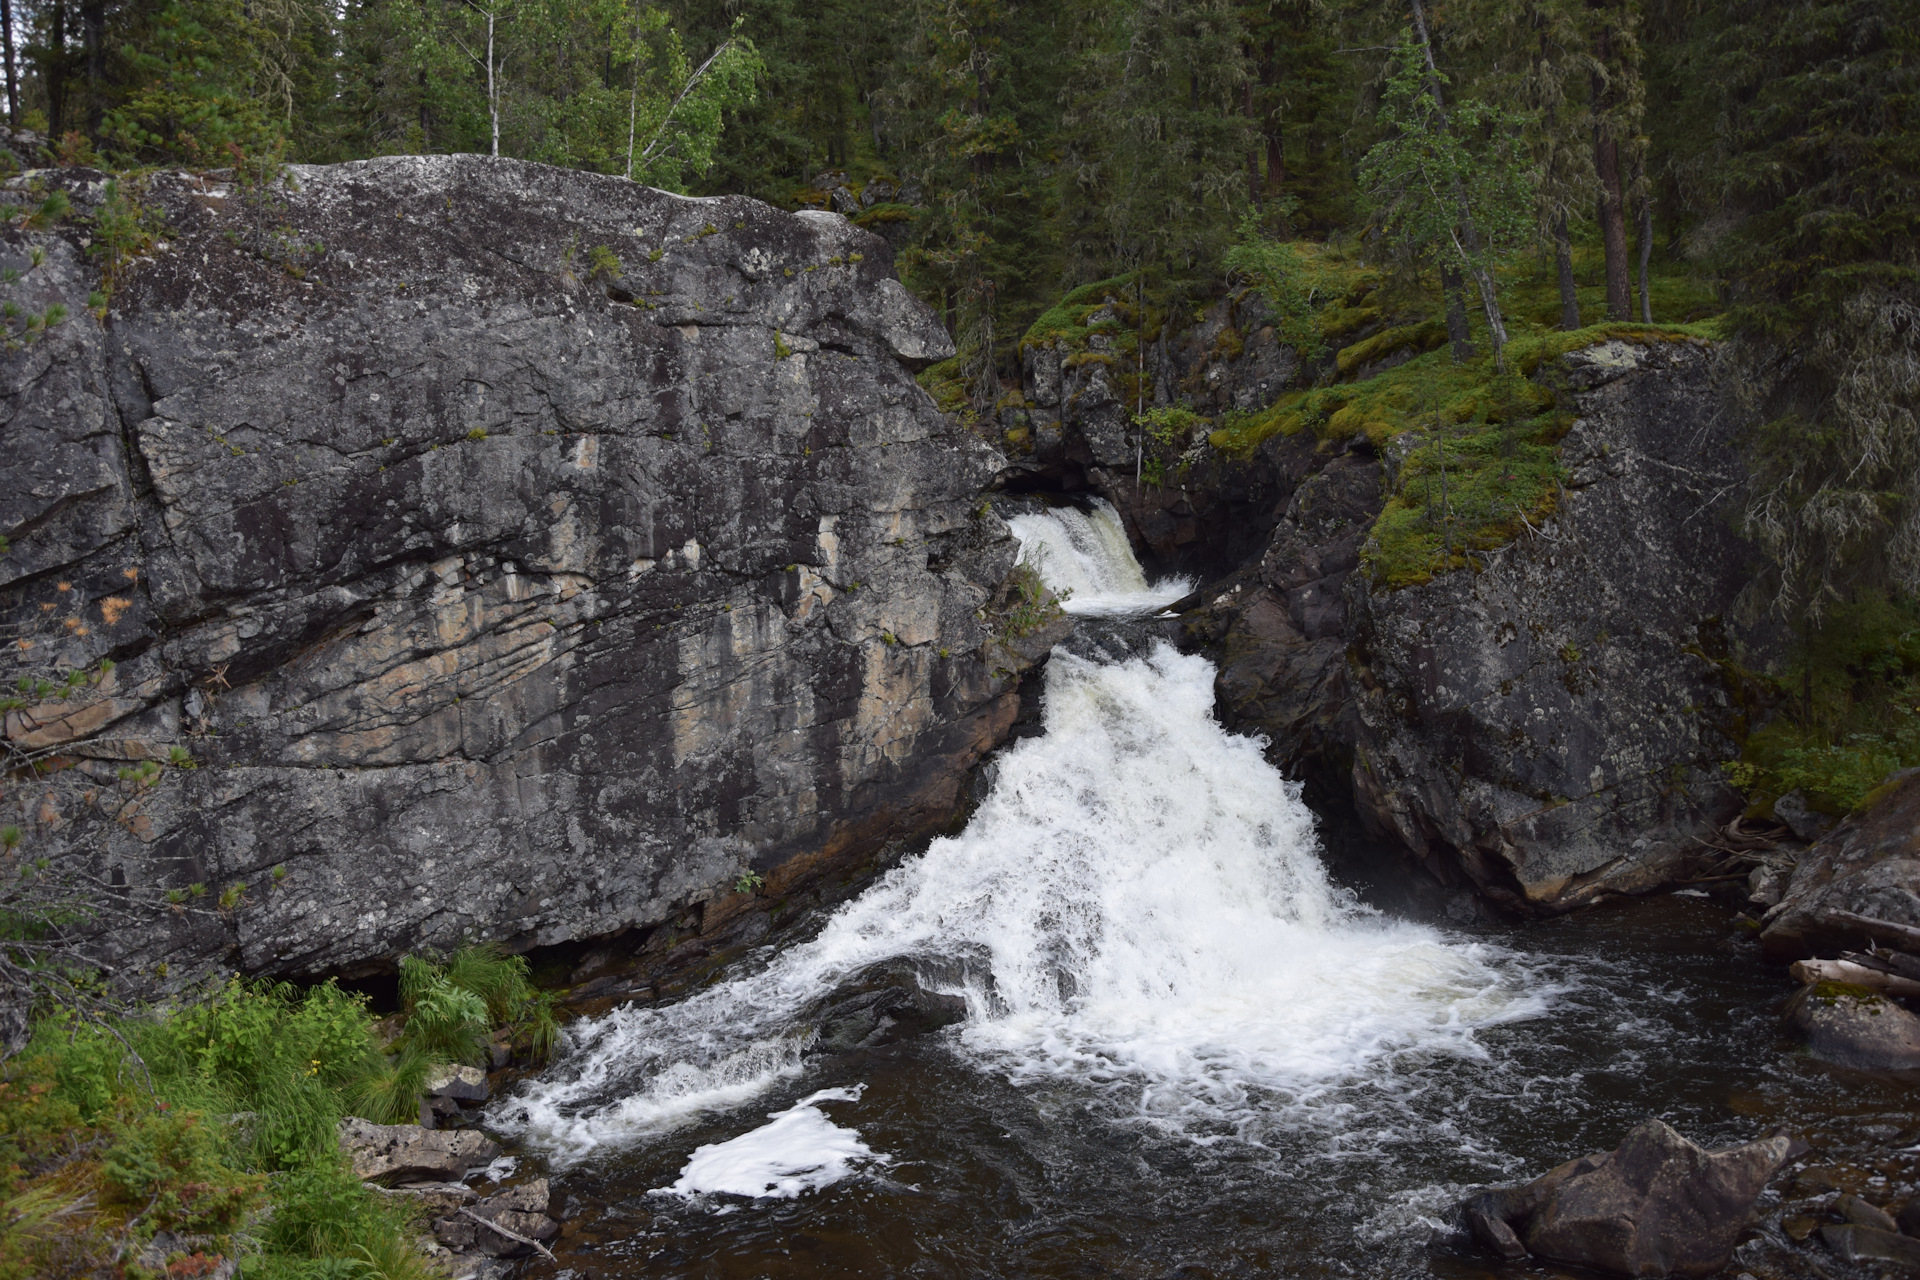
[[1448, 184], [1849, 709], [749, 882], [1289, 283], [1027, 605], [1813, 155]]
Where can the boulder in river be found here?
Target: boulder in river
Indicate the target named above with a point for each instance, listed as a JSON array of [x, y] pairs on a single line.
[[501, 1226], [1861, 882], [1855, 1026], [1658, 1205]]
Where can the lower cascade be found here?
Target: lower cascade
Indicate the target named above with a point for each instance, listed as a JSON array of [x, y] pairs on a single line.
[[1138, 908]]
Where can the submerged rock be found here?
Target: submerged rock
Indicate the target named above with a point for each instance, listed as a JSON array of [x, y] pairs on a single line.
[[410, 1153], [1856, 1243], [880, 1006], [519, 1214], [1658, 1205], [1852, 1026]]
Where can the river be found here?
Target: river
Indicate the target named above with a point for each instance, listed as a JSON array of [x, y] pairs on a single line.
[[1189, 1049]]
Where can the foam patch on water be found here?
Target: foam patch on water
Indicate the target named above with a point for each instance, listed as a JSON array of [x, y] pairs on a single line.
[[1137, 907], [801, 1150], [1088, 555]]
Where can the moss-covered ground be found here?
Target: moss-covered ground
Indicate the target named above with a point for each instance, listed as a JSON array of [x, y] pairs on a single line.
[[1474, 449]]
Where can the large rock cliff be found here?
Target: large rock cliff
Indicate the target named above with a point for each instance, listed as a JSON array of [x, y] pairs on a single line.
[[1545, 727], [480, 550]]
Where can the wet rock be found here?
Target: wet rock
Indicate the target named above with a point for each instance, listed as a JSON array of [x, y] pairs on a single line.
[[458, 1083], [1860, 881], [1907, 1221], [882, 1005], [1658, 1205], [1856, 1027], [410, 1153], [1864, 1214], [521, 1210], [439, 553], [1766, 885], [1856, 1243], [1803, 822]]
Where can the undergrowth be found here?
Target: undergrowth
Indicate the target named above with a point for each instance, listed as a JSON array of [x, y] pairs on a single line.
[[216, 1119], [1849, 702]]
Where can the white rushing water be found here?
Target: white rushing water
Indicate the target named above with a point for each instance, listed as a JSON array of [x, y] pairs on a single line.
[[1088, 555], [1139, 906]]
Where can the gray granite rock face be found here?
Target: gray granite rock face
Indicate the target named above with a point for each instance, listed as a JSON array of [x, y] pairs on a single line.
[[1556, 720], [516, 553]]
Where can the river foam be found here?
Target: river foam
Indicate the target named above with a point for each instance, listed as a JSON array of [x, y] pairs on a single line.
[[1138, 907]]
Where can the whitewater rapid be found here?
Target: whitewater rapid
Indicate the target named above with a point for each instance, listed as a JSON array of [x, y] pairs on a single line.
[[1138, 909]]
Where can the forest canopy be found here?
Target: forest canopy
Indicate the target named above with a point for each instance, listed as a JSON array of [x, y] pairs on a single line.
[[1014, 150]]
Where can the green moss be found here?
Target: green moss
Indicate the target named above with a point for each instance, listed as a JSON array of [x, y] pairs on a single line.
[[881, 214], [1066, 320], [1424, 336]]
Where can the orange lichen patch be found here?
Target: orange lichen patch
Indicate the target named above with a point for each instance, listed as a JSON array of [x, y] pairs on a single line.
[[46, 607], [65, 586], [131, 573], [112, 607], [23, 644], [73, 624]]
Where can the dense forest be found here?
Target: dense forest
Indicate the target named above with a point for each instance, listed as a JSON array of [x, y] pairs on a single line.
[[1515, 165]]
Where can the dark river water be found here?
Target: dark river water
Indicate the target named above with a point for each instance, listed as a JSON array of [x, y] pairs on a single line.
[[1672, 1015], [1189, 1050]]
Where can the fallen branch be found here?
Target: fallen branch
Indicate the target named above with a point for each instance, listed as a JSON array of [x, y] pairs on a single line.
[[1859, 975], [511, 1235], [1906, 932]]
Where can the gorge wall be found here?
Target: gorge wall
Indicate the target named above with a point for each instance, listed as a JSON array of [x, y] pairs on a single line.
[[478, 550], [1543, 728]]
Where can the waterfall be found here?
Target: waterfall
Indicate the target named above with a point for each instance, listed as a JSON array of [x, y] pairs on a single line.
[[1138, 909], [1089, 556]]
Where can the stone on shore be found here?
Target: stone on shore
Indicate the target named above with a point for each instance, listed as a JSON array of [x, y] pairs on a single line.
[[521, 1210], [410, 1153], [1860, 883], [1659, 1205]]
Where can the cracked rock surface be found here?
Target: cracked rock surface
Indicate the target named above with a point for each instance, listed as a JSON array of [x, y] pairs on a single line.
[[514, 553]]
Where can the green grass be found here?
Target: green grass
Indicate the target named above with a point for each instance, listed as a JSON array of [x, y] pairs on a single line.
[[218, 1117]]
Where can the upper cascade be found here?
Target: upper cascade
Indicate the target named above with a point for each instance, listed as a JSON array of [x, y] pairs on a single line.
[[1085, 557]]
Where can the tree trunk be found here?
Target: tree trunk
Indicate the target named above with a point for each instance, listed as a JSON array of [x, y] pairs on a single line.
[[1458, 335], [1563, 263], [55, 70], [1644, 207], [1612, 208], [13, 83], [1270, 127], [93, 22], [493, 93], [1253, 153]]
